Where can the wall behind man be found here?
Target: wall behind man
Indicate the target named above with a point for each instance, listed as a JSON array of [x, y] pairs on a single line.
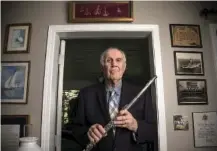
[[43, 14]]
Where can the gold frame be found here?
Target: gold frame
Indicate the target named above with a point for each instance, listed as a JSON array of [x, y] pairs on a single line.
[[72, 19], [192, 38]]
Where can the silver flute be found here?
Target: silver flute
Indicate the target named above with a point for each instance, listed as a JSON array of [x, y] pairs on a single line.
[[111, 125]]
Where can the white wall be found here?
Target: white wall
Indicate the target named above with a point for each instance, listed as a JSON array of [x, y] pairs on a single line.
[[43, 14]]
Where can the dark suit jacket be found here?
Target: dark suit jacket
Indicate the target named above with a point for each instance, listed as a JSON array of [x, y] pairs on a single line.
[[92, 108]]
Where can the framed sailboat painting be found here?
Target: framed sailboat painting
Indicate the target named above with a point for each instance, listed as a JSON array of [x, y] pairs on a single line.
[[14, 83]]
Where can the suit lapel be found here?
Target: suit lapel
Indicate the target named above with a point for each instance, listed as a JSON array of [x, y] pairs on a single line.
[[125, 99], [101, 94]]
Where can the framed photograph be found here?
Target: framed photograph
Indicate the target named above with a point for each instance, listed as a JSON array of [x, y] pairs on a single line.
[[205, 129], [20, 120], [17, 38], [185, 35], [100, 11], [188, 63], [14, 83], [191, 91], [180, 122]]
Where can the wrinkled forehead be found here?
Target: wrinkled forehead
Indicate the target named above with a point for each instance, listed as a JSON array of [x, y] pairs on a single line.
[[114, 53]]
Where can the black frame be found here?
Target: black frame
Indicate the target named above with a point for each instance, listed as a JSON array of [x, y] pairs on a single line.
[[171, 26], [203, 96], [16, 120], [188, 52], [193, 122]]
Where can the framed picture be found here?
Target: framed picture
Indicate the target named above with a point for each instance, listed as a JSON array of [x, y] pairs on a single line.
[[17, 38], [14, 84], [188, 63], [185, 35], [100, 11], [191, 91], [180, 122], [20, 120], [205, 129]]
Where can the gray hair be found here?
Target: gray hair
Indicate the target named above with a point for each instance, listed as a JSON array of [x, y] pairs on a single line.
[[103, 55]]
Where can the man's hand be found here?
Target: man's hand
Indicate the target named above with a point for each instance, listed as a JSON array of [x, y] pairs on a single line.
[[96, 132], [126, 120]]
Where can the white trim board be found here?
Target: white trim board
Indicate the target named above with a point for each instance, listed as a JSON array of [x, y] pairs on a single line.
[[55, 33], [213, 35]]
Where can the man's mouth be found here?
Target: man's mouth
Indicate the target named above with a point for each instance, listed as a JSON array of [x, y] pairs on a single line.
[[114, 70]]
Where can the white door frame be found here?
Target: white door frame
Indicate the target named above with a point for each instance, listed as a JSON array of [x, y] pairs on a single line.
[[55, 33], [213, 34]]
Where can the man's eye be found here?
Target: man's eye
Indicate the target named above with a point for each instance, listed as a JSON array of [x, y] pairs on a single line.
[[109, 60], [119, 60]]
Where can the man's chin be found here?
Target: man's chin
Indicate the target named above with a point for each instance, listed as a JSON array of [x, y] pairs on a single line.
[[115, 78]]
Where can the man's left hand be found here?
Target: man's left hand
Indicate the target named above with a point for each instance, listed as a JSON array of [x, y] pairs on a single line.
[[126, 120]]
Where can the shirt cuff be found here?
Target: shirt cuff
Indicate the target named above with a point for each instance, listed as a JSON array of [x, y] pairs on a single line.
[[134, 136]]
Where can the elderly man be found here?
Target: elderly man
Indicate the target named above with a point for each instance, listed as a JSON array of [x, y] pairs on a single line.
[[99, 103]]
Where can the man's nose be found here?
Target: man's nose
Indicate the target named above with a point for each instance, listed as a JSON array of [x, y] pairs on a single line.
[[113, 63]]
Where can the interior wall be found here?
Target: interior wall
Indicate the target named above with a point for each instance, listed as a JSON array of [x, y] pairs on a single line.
[[43, 14]]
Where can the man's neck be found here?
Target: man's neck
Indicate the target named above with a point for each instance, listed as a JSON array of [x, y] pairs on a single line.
[[113, 83]]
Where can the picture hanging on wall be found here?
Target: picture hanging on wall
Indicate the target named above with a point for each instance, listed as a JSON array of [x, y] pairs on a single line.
[[188, 63], [20, 120], [185, 35], [100, 11], [14, 84], [180, 122], [17, 38], [13, 127], [205, 129], [192, 91]]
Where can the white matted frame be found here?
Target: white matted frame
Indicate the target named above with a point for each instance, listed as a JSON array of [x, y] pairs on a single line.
[[55, 33]]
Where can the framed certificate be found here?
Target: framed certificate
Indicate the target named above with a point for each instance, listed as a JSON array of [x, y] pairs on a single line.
[[185, 35], [205, 129]]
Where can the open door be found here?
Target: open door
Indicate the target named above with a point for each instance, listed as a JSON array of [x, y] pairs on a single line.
[[59, 96]]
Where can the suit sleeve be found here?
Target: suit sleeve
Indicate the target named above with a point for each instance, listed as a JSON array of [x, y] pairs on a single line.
[[147, 127], [78, 124]]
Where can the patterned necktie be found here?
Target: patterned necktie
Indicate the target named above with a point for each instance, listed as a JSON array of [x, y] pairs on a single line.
[[113, 107]]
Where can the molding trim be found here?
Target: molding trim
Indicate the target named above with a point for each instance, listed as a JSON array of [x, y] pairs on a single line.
[[213, 36], [55, 33]]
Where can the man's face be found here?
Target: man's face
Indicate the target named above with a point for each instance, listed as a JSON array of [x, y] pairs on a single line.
[[114, 65]]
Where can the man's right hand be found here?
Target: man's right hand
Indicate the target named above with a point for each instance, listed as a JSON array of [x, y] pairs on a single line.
[[95, 133]]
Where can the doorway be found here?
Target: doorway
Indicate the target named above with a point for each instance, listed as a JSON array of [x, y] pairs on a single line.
[[49, 139], [82, 68]]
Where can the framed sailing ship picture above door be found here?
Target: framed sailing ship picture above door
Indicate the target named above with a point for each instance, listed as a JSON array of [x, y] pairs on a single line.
[[14, 84]]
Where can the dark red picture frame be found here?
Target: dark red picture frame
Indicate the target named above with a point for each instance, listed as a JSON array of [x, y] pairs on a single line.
[[100, 11]]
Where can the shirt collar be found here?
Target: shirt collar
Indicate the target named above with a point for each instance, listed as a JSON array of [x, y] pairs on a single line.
[[117, 89]]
